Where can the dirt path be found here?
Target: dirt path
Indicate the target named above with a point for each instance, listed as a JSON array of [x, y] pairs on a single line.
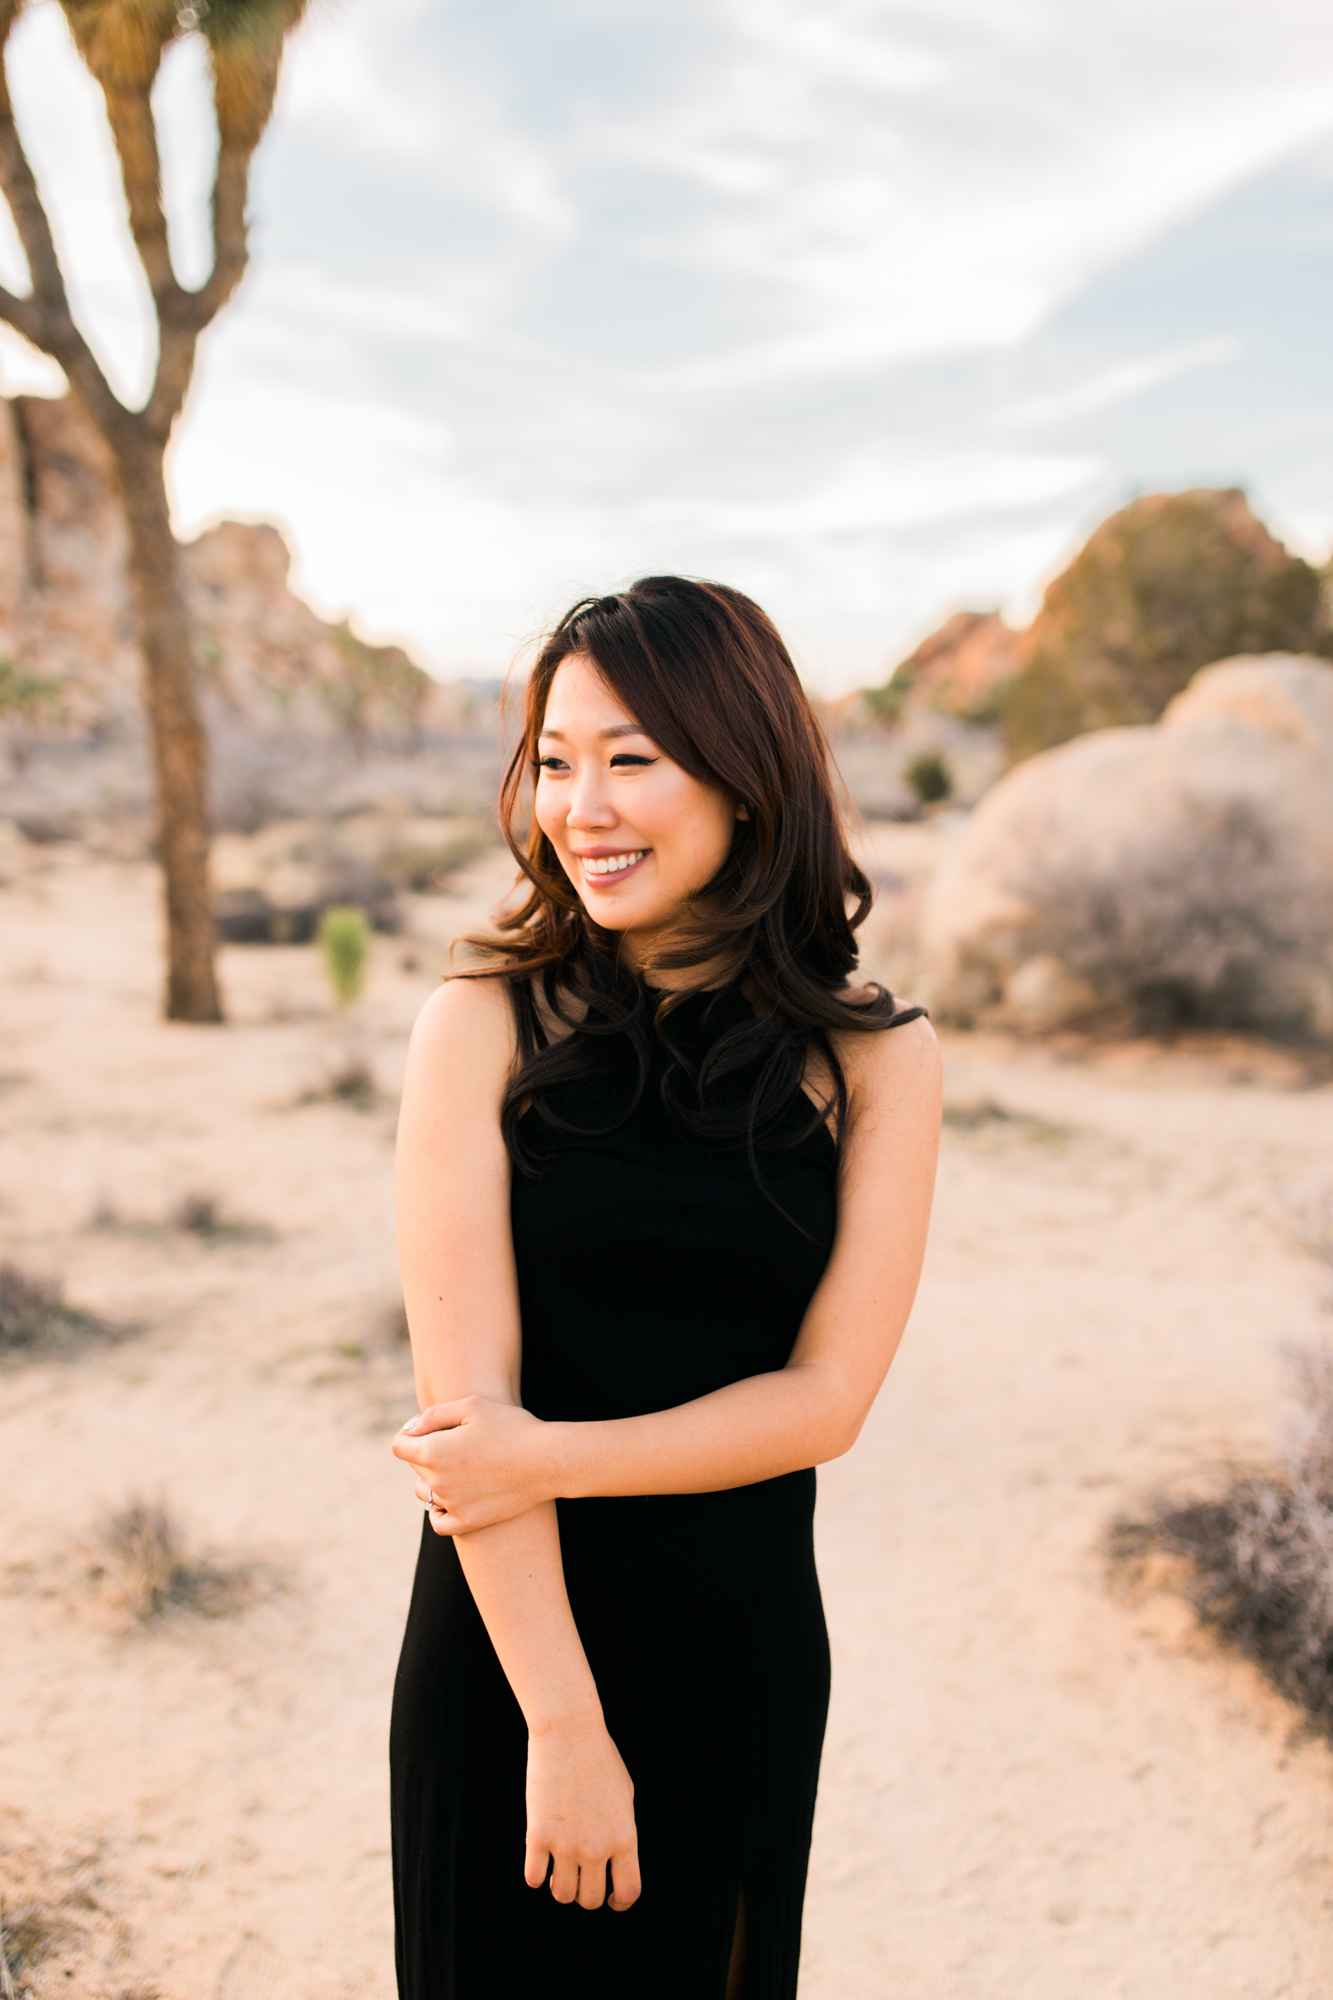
[[1031, 1788]]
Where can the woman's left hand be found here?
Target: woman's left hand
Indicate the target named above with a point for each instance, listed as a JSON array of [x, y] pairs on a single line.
[[477, 1462]]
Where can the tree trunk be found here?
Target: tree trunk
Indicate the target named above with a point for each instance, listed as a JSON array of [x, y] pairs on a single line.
[[179, 748]]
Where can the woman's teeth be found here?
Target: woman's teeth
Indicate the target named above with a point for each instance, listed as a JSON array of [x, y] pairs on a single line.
[[613, 863]]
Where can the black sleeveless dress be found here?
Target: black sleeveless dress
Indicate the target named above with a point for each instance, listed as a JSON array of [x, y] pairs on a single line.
[[651, 1271]]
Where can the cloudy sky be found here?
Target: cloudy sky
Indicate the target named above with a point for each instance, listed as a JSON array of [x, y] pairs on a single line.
[[871, 307]]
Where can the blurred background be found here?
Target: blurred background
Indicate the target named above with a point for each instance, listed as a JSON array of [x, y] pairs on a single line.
[[985, 344]]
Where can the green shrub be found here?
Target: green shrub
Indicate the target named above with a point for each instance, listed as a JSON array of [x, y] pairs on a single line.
[[930, 777], [886, 704], [344, 939]]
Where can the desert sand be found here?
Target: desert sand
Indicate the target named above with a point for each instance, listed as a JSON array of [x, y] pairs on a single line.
[[1033, 1787]]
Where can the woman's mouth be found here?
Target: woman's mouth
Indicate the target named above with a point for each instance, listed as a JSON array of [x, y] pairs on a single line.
[[612, 867]]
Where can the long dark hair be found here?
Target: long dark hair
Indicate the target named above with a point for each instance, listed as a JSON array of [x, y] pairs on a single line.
[[705, 674]]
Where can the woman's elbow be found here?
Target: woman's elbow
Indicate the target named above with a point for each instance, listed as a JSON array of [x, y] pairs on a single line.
[[841, 1430]]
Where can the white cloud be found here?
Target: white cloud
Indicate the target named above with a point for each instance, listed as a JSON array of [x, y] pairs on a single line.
[[1114, 385]]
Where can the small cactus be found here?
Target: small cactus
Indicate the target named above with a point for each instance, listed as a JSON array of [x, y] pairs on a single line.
[[344, 939]]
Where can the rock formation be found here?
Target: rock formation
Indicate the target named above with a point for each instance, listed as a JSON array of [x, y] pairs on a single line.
[[1151, 875], [265, 659], [1161, 588], [959, 669]]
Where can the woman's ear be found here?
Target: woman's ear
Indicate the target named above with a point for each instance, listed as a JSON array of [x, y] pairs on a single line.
[[742, 812]]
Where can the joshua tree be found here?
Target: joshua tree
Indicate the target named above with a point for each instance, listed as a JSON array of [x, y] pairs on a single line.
[[122, 42]]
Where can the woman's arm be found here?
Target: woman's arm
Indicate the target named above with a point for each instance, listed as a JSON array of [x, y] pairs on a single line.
[[457, 1258], [487, 1462]]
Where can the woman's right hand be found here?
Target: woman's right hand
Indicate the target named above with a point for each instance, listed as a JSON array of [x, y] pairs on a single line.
[[581, 1817]]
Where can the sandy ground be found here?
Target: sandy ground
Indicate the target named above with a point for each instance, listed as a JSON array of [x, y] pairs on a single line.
[[1032, 1787]]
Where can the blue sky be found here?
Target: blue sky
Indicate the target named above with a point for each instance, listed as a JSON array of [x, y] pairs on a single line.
[[871, 308]]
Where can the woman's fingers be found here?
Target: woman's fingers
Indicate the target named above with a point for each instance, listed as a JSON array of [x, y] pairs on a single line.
[[585, 1881], [565, 1878], [625, 1882], [436, 1417], [536, 1861], [592, 1884]]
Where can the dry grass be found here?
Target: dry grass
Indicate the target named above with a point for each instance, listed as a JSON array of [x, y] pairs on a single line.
[[36, 1323], [25, 1939], [63, 1920], [985, 1114], [1255, 1559], [147, 1568]]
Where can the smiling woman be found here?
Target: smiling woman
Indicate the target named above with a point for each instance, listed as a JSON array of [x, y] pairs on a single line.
[[664, 1183], [639, 834]]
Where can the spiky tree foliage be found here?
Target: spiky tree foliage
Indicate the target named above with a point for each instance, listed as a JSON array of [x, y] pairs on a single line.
[[122, 42]]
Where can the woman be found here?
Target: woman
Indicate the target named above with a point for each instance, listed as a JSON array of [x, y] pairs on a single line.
[[664, 1181]]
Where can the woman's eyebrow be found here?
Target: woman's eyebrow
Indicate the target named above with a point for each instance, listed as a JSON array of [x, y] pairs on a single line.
[[603, 735]]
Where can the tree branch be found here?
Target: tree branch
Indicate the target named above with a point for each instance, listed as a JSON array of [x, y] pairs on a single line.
[[44, 318], [121, 43], [19, 187], [245, 47], [25, 316]]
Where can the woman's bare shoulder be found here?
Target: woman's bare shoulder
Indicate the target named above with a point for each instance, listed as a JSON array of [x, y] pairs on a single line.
[[467, 1023], [892, 1063]]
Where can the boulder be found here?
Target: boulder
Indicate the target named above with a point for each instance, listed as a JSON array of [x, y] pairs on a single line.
[[1148, 876]]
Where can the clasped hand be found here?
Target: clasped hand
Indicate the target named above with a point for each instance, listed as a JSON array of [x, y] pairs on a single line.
[[477, 1462]]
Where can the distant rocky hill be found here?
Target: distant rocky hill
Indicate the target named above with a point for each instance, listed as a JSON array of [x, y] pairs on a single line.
[[67, 623], [1161, 589], [959, 669]]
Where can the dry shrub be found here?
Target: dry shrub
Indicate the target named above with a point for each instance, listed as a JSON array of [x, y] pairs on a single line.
[[148, 1569], [199, 1214], [350, 1081], [1255, 1560], [353, 1082], [58, 1924], [429, 867], [984, 1114], [25, 1939], [1195, 929], [202, 1214], [36, 1323]]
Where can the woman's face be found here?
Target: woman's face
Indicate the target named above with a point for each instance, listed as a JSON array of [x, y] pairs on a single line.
[[636, 834]]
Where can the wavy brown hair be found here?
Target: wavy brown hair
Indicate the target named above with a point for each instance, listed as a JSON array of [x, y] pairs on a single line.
[[702, 670]]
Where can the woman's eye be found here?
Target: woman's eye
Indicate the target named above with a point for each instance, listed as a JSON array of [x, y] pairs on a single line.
[[629, 757], [552, 764]]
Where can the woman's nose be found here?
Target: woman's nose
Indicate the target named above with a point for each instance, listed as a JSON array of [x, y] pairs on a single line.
[[590, 809]]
